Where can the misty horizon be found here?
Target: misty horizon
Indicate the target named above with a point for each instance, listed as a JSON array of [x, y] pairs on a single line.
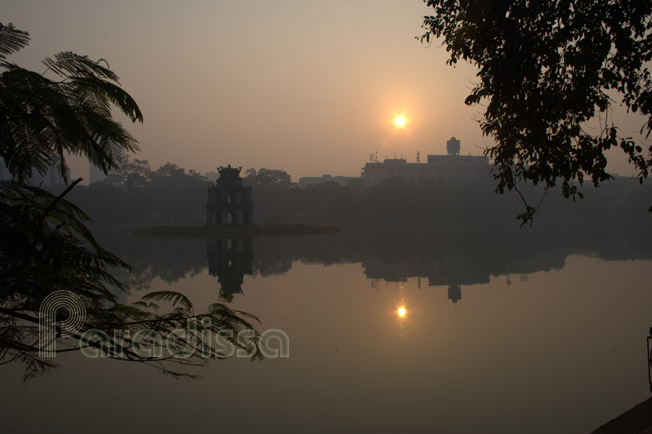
[[299, 86]]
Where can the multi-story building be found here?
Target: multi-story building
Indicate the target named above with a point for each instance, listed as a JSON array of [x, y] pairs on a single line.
[[51, 178], [451, 169]]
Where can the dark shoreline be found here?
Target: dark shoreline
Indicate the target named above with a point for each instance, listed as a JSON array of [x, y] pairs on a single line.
[[271, 230]]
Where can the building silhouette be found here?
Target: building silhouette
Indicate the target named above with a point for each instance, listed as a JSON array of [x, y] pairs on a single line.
[[51, 178], [453, 146], [229, 202], [314, 180], [450, 169]]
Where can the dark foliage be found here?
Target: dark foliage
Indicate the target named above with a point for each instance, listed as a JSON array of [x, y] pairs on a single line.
[[45, 245], [545, 69]]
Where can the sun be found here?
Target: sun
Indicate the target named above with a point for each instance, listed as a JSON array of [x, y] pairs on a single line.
[[402, 311], [399, 121]]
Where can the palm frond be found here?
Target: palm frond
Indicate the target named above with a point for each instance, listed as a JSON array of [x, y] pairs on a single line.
[[103, 90], [11, 40], [41, 120], [174, 297], [67, 64]]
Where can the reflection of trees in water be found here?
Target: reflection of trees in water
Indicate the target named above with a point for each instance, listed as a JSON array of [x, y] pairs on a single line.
[[172, 260], [140, 278], [272, 257], [168, 260], [455, 257], [463, 255], [161, 329]]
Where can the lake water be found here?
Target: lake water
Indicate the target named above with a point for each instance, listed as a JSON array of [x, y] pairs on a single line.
[[504, 331]]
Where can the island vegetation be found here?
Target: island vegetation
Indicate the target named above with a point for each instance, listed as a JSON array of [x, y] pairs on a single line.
[[270, 230]]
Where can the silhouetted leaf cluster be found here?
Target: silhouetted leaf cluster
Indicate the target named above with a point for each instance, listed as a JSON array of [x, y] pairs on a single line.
[[545, 70], [45, 245]]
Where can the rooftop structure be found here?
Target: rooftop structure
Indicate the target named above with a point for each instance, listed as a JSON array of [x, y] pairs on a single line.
[[453, 146]]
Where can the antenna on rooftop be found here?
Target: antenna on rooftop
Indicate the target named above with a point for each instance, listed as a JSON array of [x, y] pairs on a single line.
[[418, 156]]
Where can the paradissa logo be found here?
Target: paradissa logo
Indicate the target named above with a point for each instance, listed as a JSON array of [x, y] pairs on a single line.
[[147, 343]]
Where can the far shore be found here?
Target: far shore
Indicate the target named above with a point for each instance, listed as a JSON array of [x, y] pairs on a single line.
[[204, 231]]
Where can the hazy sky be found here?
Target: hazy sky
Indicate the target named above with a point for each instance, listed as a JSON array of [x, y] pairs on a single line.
[[310, 87]]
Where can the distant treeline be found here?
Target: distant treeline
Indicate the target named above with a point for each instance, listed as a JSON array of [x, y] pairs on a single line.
[[172, 195]]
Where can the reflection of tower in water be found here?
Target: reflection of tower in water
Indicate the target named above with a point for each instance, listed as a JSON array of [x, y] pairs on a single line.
[[229, 259], [454, 292]]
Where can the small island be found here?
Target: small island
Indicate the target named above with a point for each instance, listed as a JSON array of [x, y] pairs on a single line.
[[271, 230], [229, 212]]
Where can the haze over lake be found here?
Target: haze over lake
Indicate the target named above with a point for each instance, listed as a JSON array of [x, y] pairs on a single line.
[[501, 332], [343, 216]]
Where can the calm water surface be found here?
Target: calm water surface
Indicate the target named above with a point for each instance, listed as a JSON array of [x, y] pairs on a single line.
[[540, 332]]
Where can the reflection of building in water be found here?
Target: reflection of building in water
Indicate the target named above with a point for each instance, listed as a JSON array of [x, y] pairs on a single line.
[[229, 260], [450, 271], [451, 169], [463, 259], [229, 202]]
